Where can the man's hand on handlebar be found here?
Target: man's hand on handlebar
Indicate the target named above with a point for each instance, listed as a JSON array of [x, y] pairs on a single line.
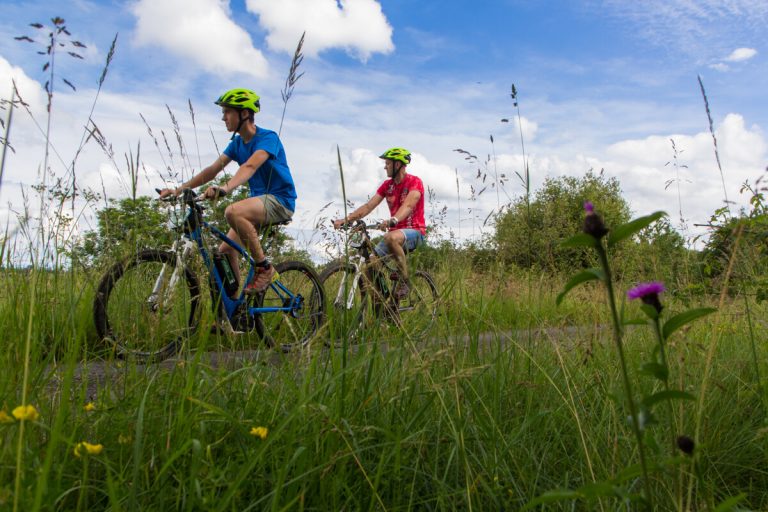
[[215, 192], [166, 192], [384, 225]]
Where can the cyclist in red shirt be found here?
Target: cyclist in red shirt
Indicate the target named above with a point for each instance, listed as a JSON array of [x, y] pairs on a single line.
[[406, 227]]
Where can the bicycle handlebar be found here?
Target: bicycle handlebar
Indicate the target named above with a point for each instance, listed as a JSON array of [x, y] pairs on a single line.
[[187, 196], [359, 224]]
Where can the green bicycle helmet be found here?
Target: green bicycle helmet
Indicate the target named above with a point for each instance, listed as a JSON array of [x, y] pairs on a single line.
[[399, 154], [240, 99]]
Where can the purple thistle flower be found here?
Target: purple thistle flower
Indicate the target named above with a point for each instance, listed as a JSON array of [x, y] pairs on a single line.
[[648, 293], [643, 289], [589, 207]]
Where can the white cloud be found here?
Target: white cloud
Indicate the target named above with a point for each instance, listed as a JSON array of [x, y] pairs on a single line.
[[741, 54], [529, 128], [201, 31], [29, 89], [720, 66], [645, 166], [359, 26]]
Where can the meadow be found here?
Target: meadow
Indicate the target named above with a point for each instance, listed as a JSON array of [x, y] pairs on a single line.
[[520, 397], [511, 398]]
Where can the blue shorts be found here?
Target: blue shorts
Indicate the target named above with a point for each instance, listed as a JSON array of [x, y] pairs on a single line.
[[413, 239]]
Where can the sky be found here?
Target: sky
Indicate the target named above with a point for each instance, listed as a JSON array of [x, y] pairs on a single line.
[[607, 85]]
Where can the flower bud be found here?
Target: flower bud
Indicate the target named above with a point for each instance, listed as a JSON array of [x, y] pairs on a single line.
[[593, 224], [685, 444]]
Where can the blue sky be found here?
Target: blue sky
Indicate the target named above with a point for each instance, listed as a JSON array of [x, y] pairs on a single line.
[[602, 84]]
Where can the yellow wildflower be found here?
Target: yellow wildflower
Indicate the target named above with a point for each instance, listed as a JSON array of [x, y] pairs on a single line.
[[86, 448], [90, 406], [259, 432], [123, 439], [26, 412], [4, 418]]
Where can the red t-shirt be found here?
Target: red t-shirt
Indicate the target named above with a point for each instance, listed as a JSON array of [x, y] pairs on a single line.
[[395, 194]]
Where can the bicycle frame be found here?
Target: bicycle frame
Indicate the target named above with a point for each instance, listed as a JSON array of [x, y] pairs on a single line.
[[191, 239]]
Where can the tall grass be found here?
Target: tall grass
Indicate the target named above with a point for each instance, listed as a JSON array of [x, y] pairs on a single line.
[[714, 143], [453, 422], [293, 77], [509, 399], [7, 132]]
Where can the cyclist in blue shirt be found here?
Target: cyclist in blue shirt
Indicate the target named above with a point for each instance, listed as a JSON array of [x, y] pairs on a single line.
[[262, 161]]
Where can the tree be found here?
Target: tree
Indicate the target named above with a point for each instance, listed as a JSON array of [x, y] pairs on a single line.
[[126, 225], [530, 236], [747, 259]]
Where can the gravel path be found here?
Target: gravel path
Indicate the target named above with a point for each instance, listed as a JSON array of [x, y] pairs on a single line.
[[108, 374]]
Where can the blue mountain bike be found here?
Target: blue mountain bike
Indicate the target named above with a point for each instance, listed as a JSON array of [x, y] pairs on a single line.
[[147, 306]]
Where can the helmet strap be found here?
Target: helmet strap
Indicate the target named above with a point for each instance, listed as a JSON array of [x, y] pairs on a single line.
[[240, 124], [397, 166]]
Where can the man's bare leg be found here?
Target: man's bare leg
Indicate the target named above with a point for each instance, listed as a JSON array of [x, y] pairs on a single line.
[[232, 255], [244, 217], [394, 241]]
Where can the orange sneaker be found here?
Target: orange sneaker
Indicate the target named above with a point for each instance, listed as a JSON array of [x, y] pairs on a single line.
[[261, 279]]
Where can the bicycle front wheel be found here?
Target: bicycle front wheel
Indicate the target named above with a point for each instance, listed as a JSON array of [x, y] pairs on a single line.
[[298, 289], [144, 308], [346, 302], [417, 312]]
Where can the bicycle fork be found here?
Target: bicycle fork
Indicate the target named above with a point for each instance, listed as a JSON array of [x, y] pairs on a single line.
[[339, 301], [163, 293]]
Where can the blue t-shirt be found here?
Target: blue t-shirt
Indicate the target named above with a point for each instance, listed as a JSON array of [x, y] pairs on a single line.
[[274, 176]]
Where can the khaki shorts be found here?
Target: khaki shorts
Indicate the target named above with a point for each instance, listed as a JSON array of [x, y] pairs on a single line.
[[276, 212]]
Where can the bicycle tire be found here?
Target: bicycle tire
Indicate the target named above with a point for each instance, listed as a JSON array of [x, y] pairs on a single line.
[[136, 326], [417, 312], [345, 321], [296, 328]]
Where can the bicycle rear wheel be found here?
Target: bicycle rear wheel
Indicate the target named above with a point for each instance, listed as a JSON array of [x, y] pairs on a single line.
[[298, 287], [141, 312], [417, 312]]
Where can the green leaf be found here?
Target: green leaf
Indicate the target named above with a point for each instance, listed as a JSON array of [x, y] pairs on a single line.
[[630, 473], [636, 321], [730, 503], [582, 277], [619, 233], [580, 240], [552, 497], [661, 396], [650, 311], [683, 318], [597, 490], [657, 370]]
